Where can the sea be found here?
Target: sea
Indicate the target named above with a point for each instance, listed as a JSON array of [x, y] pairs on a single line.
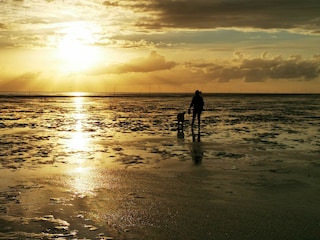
[[65, 123]]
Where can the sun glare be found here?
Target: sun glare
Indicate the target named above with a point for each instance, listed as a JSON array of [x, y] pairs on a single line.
[[75, 56], [75, 50], [78, 95]]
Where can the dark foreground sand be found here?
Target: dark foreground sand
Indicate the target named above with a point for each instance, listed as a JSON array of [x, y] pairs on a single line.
[[154, 190]]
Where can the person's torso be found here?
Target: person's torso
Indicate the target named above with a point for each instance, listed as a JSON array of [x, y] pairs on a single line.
[[198, 102]]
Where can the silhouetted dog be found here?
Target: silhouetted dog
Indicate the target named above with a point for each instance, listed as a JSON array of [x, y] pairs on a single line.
[[180, 118]]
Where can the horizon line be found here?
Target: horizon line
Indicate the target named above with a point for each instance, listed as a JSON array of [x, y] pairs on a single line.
[[123, 94]]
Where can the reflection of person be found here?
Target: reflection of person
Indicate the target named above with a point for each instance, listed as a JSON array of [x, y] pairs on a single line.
[[197, 151], [194, 136], [197, 104]]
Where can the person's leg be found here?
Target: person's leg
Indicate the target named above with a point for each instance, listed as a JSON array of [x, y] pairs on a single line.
[[193, 117], [199, 114]]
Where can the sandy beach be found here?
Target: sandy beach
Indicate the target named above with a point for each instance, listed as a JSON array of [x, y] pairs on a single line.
[[142, 184], [162, 192]]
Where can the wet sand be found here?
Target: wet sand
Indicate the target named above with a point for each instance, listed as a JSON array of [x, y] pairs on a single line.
[[163, 188], [114, 168]]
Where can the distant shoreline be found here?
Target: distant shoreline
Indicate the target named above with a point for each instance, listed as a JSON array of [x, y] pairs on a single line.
[[6, 94]]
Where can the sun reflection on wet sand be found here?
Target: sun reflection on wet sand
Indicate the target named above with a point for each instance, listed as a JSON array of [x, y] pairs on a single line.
[[79, 140], [79, 146], [78, 102], [82, 180]]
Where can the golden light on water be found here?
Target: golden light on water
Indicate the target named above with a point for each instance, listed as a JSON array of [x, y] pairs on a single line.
[[82, 181], [79, 140], [78, 145], [78, 102], [78, 95]]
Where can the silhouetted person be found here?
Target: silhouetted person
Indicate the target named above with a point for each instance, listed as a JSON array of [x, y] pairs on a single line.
[[197, 104]]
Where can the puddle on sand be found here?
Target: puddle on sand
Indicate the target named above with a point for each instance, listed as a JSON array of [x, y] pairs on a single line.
[[34, 212]]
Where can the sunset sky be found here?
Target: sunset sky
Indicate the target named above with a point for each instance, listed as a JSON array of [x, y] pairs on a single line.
[[160, 45]]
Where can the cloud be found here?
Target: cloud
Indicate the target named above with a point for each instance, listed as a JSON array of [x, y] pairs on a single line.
[[19, 82], [127, 23], [3, 26], [259, 69], [210, 14], [154, 62], [278, 68], [240, 68]]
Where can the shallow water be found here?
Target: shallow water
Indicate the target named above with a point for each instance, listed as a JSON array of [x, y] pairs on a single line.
[[51, 129], [248, 145]]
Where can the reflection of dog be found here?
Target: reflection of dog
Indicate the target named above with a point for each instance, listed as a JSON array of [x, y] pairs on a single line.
[[180, 118]]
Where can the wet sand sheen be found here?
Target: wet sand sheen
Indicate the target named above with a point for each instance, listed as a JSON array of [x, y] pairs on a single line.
[[170, 199], [101, 169]]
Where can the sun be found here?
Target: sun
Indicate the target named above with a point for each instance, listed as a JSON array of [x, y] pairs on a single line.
[[76, 56], [75, 49]]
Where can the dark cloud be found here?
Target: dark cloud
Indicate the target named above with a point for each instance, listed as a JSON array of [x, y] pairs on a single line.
[[208, 14], [134, 5], [278, 68], [110, 4], [260, 69]]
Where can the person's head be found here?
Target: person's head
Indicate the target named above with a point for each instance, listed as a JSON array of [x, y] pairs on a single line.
[[197, 92]]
